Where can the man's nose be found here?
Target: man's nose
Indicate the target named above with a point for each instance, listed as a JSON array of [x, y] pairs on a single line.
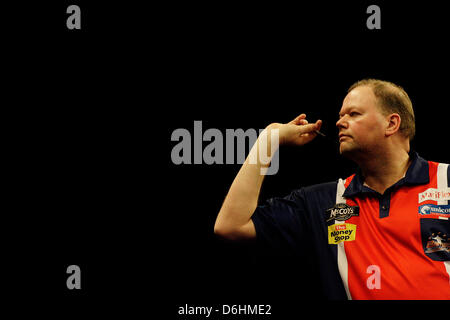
[[340, 122]]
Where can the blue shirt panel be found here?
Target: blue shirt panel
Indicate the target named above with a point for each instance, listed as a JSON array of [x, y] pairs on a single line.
[[297, 223]]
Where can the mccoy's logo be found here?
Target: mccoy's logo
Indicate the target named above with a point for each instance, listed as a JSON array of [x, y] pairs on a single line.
[[342, 212], [341, 232], [434, 209], [438, 242], [435, 195]]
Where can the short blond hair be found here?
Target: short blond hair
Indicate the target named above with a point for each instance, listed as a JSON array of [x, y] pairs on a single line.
[[392, 99]]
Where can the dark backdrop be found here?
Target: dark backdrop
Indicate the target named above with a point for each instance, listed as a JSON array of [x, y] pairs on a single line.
[[90, 121]]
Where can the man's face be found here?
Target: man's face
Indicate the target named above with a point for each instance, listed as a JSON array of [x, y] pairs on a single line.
[[361, 124]]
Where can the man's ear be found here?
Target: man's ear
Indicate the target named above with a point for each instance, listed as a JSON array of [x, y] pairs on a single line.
[[394, 122]]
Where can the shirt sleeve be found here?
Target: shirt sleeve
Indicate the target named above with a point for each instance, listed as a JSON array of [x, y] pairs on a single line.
[[280, 223]]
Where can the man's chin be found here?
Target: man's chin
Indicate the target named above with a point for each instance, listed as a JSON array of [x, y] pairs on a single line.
[[346, 150], [342, 149], [352, 152]]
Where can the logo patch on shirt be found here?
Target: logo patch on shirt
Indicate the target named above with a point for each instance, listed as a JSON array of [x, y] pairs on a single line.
[[340, 232], [342, 212], [426, 209], [438, 242], [435, 194]]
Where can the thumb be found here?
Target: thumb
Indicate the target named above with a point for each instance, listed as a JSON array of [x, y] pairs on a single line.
[[310, 127]]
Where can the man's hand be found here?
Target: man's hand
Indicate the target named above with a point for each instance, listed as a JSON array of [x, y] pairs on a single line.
[[297, 132]]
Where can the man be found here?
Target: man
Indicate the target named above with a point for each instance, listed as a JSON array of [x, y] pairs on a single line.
[[382, 233]]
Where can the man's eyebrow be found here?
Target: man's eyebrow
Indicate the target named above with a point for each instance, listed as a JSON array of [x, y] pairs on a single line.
[[349, 109], [342, 113]]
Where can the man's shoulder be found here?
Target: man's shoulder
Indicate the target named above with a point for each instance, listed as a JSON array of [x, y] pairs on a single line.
[[437, 163], [319, 191], [328, 186], [322, 191], [321, 187], [316, 198]]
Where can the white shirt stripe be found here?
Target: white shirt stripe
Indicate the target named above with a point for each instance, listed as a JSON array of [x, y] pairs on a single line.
[[442, 183], [341, 256], [447, 267]]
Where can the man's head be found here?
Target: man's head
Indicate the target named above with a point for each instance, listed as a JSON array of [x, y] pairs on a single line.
[[375, 114]]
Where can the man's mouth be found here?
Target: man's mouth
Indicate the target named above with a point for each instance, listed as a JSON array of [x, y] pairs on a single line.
[[343, 137]]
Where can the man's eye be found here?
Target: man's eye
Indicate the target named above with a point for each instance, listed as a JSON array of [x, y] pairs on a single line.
[[352, 114]]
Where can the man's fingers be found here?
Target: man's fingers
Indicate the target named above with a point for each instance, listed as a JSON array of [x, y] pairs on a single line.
[[310, 128], [298, 119], [319, 124]]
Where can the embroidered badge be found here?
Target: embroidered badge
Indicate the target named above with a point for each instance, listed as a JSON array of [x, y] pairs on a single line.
[[435, 194], [342, 212], [438, 242]]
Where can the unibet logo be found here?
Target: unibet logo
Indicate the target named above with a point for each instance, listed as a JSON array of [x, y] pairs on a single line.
[[341, 232], [434, 209], [425, 209]]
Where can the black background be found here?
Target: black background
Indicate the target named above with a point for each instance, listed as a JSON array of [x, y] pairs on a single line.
[[88, 118]]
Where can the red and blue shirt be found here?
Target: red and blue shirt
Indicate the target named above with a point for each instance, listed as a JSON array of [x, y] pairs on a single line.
[[368, 245]]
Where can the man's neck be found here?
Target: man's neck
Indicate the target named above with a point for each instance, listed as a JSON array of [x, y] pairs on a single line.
[[385, 170]]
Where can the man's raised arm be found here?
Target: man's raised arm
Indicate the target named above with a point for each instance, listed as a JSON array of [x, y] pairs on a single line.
[[234, 219]]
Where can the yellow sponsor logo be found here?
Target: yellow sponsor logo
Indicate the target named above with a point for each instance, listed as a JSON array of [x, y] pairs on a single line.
[[341, 232]]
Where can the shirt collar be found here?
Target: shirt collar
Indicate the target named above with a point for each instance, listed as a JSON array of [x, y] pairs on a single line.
[[417, 173]]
